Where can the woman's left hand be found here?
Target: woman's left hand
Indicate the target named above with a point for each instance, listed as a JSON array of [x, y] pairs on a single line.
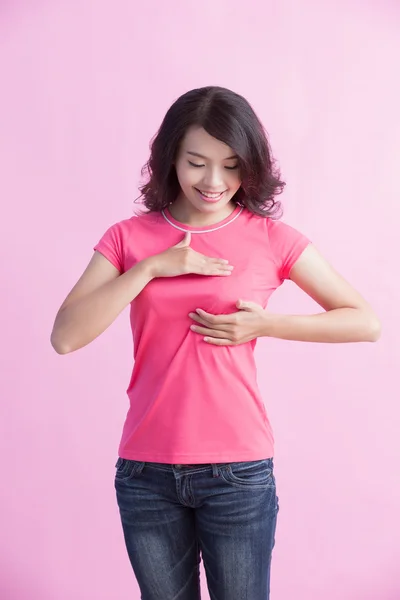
[[233, 329]]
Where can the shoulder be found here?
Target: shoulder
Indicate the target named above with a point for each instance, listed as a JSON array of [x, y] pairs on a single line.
[[285, 242], [276, 229], [120, 237], [134, 224]]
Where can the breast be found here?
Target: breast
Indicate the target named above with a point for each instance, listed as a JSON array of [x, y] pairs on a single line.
[[174, 297]]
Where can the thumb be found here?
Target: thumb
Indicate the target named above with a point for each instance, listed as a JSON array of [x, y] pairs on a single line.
[[245, 305], [185, 242]]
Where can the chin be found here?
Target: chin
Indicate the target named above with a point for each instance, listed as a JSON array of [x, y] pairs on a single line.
[[212, 207]]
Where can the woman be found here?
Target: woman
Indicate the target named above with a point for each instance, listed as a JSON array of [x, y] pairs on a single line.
[[195, 468]]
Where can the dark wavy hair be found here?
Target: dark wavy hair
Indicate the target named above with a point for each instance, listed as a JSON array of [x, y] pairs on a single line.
[[228, 117]]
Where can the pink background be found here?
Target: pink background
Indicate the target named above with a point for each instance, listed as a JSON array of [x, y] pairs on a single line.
[[84, 87]]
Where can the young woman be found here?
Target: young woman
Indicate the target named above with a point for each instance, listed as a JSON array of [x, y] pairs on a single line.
[[194, 475]]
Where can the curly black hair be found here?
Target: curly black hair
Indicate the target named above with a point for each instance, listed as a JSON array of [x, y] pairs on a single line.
[[228, 117]]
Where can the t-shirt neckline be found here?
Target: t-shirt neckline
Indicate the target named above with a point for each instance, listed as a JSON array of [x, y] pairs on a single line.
[[205, 229]]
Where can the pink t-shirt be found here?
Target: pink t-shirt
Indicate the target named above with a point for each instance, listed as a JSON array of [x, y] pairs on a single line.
[[192, 402]]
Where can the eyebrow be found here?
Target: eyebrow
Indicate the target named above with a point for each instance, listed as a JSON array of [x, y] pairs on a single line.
[[205, 157]]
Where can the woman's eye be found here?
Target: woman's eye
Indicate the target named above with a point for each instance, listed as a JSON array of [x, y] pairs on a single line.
[[192, 164]]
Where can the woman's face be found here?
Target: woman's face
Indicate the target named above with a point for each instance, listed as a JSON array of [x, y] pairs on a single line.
[[207, 171]]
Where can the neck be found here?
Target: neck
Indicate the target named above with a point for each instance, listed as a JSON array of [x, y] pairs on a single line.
[[187, 215]]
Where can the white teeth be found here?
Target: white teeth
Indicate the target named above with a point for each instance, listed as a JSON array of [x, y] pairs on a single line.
[[214, 195]]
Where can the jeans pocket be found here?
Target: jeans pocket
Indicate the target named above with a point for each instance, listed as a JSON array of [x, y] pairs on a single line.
[[255, 474], [125, 469]]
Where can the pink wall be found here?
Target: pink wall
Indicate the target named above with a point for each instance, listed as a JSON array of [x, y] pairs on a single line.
[[84, 87]]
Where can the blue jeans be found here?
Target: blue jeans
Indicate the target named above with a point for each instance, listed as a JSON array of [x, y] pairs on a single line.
[[172, 514]]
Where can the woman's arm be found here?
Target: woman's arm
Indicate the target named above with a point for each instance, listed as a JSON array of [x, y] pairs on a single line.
[[348, 317], [102, 293], [95, 301]]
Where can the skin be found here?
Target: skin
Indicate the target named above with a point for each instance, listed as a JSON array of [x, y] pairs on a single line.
[[102, 293], [215, 171]]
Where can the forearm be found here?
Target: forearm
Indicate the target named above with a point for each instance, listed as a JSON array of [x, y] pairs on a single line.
[[82, 321], [335, 326]]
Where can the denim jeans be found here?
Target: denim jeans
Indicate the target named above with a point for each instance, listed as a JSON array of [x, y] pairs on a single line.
[[173, 514]]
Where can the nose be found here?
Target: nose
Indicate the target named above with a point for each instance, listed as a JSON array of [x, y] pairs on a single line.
[[213, 180]]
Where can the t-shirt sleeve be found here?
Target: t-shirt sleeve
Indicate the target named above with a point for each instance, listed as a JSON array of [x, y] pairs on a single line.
[[111, 246], [287, 244]]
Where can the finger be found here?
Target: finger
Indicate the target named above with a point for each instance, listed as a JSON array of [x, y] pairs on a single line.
[[206, 331], [217, 319], [185, 242], [216, 271], [217, 261], [215, 266], [246, 305], [219, 342], [221, 327]]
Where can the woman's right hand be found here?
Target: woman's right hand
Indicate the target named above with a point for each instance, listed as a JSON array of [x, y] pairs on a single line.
[[182, 260]]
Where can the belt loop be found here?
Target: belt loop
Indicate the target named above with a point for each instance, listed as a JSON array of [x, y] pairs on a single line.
[[215, 470], [138, 467]]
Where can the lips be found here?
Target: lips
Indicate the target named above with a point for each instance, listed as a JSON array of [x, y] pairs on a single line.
[[208, 196]]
